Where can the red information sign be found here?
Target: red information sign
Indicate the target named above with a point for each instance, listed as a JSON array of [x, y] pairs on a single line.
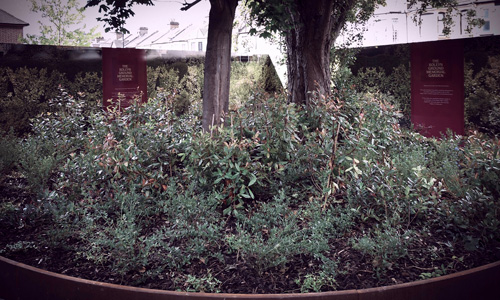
[[123, 76], [437, 87]]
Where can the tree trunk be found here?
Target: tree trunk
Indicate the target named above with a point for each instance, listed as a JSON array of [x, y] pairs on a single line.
[[309, 42], [218, 62]]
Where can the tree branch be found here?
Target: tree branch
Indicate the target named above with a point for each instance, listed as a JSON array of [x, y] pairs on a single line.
[[187, 5]]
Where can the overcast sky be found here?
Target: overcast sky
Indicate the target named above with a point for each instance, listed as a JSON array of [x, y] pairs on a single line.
[[154, 17]]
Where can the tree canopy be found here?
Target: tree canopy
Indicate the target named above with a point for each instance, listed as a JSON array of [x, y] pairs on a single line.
[[116, 12], [61, 17]]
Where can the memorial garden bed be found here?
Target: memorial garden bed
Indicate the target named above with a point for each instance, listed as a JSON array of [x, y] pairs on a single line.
[[280, 200]]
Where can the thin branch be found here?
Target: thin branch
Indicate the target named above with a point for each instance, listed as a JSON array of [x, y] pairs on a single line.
[[187, 5]]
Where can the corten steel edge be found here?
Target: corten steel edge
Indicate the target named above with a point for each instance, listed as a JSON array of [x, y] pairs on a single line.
[[20, 281]]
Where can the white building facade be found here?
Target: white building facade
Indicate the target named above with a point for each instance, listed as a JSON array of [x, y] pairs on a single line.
[[396, 23]]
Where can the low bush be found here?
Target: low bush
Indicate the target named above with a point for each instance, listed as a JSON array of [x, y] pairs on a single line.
[[8, 152]]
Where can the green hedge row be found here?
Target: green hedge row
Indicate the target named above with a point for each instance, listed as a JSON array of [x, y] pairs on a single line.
[[31, 75]]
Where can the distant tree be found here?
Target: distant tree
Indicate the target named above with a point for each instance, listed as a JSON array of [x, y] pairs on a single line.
[[59, 19]]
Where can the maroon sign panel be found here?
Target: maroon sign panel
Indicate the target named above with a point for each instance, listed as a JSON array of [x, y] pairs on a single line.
[[437, 87], [123, 77]]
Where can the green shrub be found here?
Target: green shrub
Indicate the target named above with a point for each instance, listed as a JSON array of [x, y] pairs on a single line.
[[272, 236], [245, 78], [205, 284], [482, 100], [30, 90], [37, 163], [385, 246], [271, 83], [9, 152], [396, 84], [87, 86], [193, 85]]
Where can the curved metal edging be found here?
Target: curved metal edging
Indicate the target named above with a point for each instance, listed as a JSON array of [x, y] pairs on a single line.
[[19, 281]]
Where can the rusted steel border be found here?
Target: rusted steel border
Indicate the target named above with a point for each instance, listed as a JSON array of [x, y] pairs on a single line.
[[19, 281]]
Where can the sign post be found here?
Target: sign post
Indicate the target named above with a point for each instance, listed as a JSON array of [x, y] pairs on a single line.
[[437, 87], [123, 76]]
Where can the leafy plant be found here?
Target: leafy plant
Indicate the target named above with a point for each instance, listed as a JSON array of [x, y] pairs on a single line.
[[315, 283], [206, 284], [9, 152], [384, 247]]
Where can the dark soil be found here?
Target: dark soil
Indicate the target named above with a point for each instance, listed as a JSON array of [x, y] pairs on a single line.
[[355, 271]]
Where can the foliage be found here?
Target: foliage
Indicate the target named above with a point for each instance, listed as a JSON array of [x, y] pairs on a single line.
[[88, 86], [116, 12], [316, 283], [244, 78], [278, 190], [162, 79], [8, 152], [270, 79], [206, 284], [61, 15], [277, 16], [482, 103], [27, 91], [385, 247], [395, 84]]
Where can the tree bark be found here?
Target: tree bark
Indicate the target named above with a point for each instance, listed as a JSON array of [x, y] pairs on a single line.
[[218, 62], [316, 24]]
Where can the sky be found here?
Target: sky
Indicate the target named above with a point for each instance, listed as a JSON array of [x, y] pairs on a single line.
[[154, 17]]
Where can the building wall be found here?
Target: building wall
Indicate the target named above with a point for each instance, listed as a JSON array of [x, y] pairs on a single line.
[[394, 23], [10, 34]]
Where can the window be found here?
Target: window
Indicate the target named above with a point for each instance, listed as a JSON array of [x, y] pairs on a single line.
[[486, 18], [463, 22], [192, 46], [394, 30], [440, 23], [486, 26], [200, 46]]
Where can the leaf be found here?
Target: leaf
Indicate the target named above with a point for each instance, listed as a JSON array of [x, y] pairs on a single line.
[[253, 179], [251, 194], [227, 211]]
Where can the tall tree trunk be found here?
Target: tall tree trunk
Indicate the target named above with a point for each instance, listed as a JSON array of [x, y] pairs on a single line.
[[309, 42], [218, 62]]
